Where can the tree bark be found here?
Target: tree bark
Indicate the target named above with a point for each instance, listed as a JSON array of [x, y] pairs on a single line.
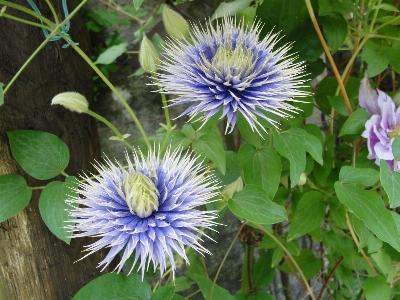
[[34, 264]]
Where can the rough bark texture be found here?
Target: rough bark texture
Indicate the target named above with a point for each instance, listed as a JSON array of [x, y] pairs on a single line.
[[34, 264]]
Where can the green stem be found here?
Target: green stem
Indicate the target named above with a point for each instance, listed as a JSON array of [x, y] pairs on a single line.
[[372, 24], [28, 11], [38, 188], [53, 12], [54, 32], [289, 255], [192, 294], [111, 86], [112, 127], [25, 21], [166, 112], [245, 280], [224, 259], [65, 174]]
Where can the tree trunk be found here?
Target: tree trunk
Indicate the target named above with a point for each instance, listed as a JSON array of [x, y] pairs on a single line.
[[34, 264]]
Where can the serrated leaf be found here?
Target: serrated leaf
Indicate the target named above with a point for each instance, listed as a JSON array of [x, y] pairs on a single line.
[[111, 54], [355, 124], [229, 9], [261, 167], [376, 288], [42, 155], [363, 176], [206, 286], [15, 195], [369, 207], [164, 293], [334, 26], [372, 55], [210, 146], [252, 204], [309, 214], [53, 208], [293, 148], [391, 183], [113, 285]]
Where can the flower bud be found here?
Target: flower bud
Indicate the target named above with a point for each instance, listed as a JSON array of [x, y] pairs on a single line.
[[302, 180], [149, 57], [73, 101], [175, 25], [228, 190]]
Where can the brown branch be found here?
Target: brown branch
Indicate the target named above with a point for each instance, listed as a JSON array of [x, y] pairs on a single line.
[[323, 290]]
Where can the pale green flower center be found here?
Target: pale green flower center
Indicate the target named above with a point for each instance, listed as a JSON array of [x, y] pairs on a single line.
[[395, 131], [141, 194], [226, 59]]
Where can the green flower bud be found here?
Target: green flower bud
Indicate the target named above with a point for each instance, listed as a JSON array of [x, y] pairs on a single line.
[[302, 180], [141, 194], [149, 57], [73, 101], [228, 190], [175, 25]]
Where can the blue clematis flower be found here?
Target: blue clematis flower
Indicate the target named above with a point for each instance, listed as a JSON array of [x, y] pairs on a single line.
[[229, 68], [147, 210]]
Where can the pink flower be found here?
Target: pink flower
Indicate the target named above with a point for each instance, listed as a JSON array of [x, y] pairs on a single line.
[[384, 124]]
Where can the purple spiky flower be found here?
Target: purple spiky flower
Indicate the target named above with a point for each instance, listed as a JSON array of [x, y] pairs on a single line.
[[147, 210], [229, 68]]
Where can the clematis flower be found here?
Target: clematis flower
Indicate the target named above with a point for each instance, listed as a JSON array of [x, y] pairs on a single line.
[[383, 126], [147, 210], [228, 68]]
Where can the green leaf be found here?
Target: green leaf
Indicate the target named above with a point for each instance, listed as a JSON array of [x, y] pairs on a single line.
[[195, 267], [385, 6], [392, 55], [309, 214], [292, 19], [384, 263], [229, 9], [293, 148], [111, 54], [42, 155], [376, 288], [391, 183], [115, 286], [308, 263], [339, 105], [14, 195], [355, 124], [325, 7], [334, 27], [369, 207], [362, 176], [206, 286], [261, 167], [312, 144], [372, 55], [262, 273], [182, 283], [137, 3], [1, 94], [164, 293], [396, 148], [210, 146], [252, 204], [53, 208]]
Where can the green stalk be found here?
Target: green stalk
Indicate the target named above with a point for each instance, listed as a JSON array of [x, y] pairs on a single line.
[[111, 86], [166, 112], [28, 11], [53, 12], [25, 21], [54, 32], [112, 127], [289, 255]]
